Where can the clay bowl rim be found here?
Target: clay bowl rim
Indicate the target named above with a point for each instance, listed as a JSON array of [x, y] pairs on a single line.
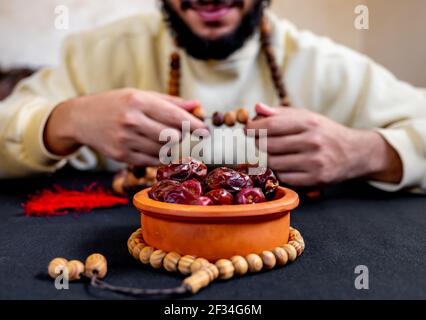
[[282, 205]]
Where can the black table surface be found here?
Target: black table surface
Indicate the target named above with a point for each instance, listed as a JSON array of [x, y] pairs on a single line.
[[353, 225]]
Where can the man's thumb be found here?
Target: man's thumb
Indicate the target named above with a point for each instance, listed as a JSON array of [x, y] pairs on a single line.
[[264, 110]]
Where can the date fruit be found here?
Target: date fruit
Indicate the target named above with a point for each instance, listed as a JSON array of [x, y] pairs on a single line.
[[159, 189], [228, 179], [193, 186], [179, 195], [267, 181], [250, 196], [202, 201], [221, 197], [186, 169]]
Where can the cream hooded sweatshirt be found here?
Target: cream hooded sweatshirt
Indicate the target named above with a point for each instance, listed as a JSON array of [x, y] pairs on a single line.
[[320, 75]]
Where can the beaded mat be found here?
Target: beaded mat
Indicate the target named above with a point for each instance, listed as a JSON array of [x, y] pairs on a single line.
[[200, 272]]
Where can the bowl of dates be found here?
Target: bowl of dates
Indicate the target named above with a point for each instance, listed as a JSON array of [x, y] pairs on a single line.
[[216, 213]]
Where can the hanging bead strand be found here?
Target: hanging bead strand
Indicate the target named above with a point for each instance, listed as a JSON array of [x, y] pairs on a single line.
[[276, 74], [175, 74]]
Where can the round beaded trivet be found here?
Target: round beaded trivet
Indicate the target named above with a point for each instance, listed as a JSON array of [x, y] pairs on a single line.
[[201, 272]]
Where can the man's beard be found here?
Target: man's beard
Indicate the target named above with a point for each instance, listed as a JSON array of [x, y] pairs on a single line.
[[218, 49]]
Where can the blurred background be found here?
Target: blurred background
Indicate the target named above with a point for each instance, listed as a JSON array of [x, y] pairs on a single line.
[[396, 37]]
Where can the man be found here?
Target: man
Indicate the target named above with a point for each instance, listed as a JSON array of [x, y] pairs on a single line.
[[349, 116]]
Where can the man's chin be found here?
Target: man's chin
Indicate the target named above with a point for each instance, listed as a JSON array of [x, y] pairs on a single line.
[[215, 34]]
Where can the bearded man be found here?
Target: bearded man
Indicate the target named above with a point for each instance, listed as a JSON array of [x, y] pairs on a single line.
[[114, 93]]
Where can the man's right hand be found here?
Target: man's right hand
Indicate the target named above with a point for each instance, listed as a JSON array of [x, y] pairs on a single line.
[[123, 124]]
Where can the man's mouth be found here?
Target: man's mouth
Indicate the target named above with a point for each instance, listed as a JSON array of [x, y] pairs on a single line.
[[211, 11]]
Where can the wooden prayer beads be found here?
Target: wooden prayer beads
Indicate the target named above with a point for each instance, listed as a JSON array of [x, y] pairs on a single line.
[[156, 259], [230, 118], [75, 269], [199, 264], [218, 119], [171, 261], [56, 267], [137, 250], [184, 265], [134, 179], [255, 263], [201, 272], [96, 265], [291, 252], [174, 79], [268, 259], [281, 256], [226, 269], [199, 113], [240, 265], [242, 116], [297, 246], [202, 278], [145, 254]]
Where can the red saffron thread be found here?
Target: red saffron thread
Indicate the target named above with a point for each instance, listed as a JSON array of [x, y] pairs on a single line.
[[59, 201]]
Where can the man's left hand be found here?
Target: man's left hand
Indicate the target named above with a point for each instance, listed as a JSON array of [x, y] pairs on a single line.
[[308, 149]]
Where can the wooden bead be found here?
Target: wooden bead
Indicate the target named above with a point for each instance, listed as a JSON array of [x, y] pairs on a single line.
[[184, 265], [240, 264], [265, 26], [130, 181], [242, 115], [226, 269], [56, 267], [175, 73], [174, 90], [281, 256], [170, 261], [96, 264], [202, 278], [199, 264], [118, 183], [218, 119], [75, 269], [230, 118], [294, 234], [131, 243], [268, 259], [286, 103], [156, 259], [255, 263], [175, 56], [151, 173], [291, 251], [212, 270], [296, 246], [270, 55], [199, 113], [145, 254], [137, 250], [197, 281], [174, 83]]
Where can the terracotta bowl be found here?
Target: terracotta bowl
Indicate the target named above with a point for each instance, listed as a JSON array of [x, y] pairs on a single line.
[[216, 232]]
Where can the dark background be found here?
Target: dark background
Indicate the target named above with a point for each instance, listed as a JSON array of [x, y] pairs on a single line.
[[353, 225]]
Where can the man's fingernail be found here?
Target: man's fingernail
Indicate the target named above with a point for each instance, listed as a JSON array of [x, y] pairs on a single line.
[[205, 132]]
